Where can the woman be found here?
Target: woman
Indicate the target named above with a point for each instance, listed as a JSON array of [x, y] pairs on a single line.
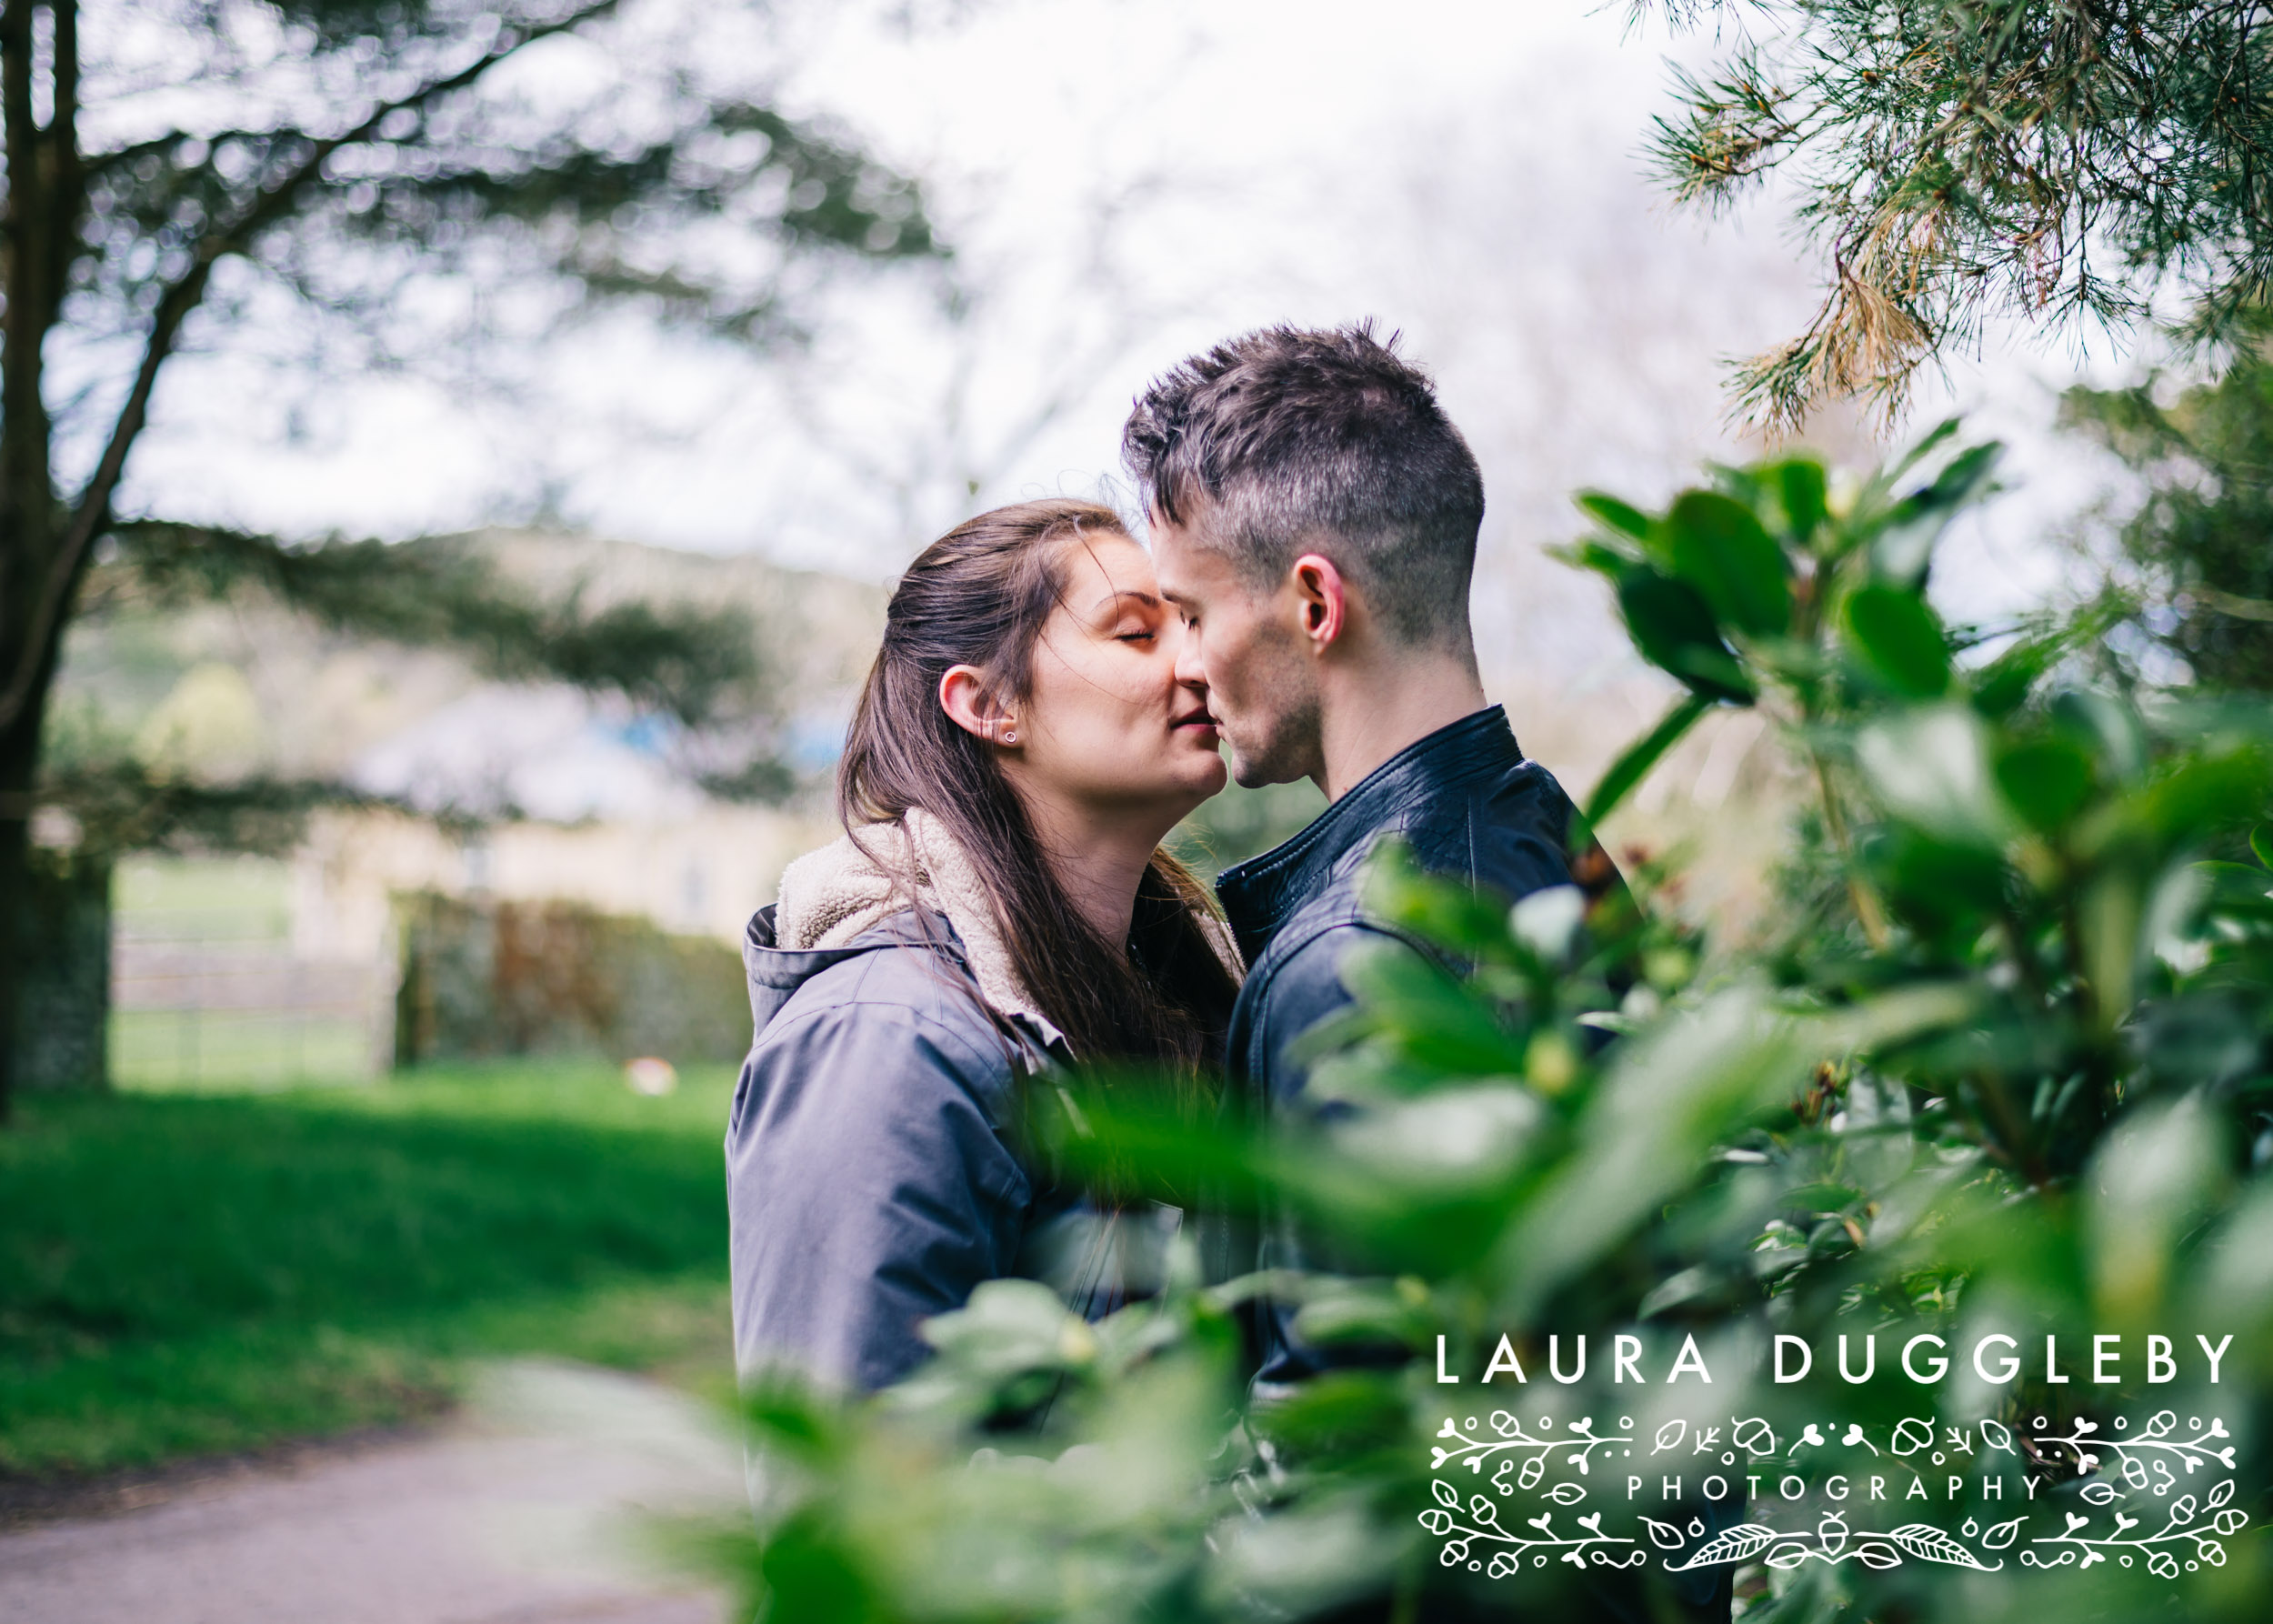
[[1000, 900]]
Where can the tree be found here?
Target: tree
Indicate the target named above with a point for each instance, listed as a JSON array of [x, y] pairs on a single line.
[[2201, 536], [2056, 160], [178, 173]]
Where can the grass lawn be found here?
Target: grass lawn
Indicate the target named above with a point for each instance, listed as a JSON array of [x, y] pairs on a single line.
[[192, 1275]]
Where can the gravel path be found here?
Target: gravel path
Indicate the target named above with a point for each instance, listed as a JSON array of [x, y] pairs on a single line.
[[528, 1512]]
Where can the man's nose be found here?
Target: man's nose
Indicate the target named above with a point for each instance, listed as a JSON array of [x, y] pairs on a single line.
[[1191, 670]]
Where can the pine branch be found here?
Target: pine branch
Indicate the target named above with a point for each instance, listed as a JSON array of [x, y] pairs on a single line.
[[699, 664], [120, 804], [1956, 158]]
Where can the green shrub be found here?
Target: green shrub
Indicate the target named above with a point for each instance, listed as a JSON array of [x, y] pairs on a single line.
[[2000, 1068], [487, 978]]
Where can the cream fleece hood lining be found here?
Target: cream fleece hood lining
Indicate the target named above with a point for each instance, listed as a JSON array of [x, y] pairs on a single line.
[[832, 897]]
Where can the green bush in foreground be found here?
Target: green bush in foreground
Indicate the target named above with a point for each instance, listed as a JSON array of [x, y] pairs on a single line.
[[2001, 1071]]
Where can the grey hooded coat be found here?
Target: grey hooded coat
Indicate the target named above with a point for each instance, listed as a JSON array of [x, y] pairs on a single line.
[[871, 1178]]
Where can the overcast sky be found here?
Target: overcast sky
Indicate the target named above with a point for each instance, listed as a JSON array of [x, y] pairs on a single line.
[[1125, 182]]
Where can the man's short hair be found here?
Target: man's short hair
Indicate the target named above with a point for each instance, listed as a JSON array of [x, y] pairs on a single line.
[[1290, 438]]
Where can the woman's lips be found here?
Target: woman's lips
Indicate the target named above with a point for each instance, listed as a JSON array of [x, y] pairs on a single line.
[[1198, 718]]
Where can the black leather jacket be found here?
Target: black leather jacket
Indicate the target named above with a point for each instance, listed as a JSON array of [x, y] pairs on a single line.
[[1473, 810]]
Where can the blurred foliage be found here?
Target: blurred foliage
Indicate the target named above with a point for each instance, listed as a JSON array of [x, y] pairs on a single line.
[[1960, 159], [2207, 457], [2004, 1066]]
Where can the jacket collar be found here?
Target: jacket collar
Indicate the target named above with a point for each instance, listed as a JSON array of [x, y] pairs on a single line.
[[1262, 893], [774, 972]]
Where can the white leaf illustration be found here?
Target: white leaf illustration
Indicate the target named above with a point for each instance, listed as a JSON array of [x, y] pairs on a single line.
[[1739, 1544], [1663, 1535], [2003, 1534], [1929, 1544]]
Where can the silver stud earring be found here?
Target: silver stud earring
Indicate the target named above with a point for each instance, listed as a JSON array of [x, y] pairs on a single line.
[[1010, 736]]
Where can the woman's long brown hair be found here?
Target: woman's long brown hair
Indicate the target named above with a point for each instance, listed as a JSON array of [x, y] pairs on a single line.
[[979, 596]]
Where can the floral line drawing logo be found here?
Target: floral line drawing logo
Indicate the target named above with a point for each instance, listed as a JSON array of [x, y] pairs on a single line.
[[2162, 1559], [1442, 1520], [1831, 1541], [1515, 1444], [2146, 1457], [2191, 1537]]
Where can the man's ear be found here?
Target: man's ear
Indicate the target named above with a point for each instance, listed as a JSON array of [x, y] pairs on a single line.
[[971, 706], [1322, 600]]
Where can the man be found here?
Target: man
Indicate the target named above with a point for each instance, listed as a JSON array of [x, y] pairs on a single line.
[[1314, 517]]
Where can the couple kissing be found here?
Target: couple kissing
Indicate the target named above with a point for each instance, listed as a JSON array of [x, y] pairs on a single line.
[[1050, 700]]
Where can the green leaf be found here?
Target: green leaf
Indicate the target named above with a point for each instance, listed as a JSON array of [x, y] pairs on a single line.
[[1442, 910], [2046, 780], [2205, 796], [1666, 1100], [1621, 516], [1673, 626], [1596, 555], [1938, 887], [2262, 844], [1926, 446], [1800, 483], [1631, 768], [1434, 1019], [1820, 1198], [808, 1576], [1899, 639], [1720, 547], [1929, 768], [2004, 685], [2109, 730], [1905, 546]]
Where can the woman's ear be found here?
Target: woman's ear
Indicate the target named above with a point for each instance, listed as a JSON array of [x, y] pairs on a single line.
[[971, 706]]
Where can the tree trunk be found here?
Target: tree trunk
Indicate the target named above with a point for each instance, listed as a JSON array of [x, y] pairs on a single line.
[[27, 498], [63, 1035], [19, 758]]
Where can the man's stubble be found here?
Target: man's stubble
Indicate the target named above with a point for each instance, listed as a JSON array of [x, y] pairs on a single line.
[[1278, 739]]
